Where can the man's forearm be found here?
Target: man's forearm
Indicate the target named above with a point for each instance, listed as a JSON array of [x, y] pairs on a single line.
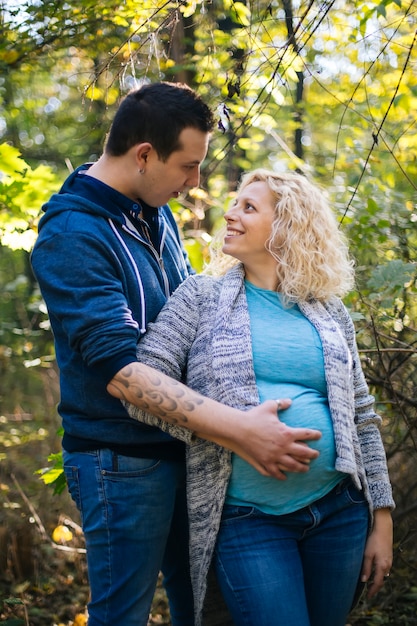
[[256, 435], [172, 401]]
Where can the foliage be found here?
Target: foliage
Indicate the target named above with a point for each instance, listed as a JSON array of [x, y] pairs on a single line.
[[328, 88], [22, 191], [54, 475]]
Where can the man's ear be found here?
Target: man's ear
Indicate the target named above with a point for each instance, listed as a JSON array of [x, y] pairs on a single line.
[[142, 153]]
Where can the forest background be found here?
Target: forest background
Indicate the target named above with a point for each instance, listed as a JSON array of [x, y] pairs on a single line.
[[327, 88]]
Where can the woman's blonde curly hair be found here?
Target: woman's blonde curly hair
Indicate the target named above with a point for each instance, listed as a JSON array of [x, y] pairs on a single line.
[[311, 252]]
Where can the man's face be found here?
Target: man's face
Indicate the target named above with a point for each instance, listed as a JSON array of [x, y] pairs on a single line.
[[163, 180]]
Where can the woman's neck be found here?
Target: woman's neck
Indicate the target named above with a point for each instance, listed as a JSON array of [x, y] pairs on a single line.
[[263, 278]]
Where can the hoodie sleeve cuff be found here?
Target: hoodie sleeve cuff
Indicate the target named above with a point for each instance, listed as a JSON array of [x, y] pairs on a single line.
[[109, 368]]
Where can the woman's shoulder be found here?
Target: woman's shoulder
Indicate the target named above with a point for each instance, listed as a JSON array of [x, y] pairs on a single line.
[[340, 313], [208, 286], [201, 283], [336, 307]]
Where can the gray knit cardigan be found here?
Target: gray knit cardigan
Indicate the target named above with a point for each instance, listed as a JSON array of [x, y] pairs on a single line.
[[202, 337]]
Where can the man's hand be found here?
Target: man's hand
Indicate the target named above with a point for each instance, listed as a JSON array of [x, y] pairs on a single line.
[[268, 444]]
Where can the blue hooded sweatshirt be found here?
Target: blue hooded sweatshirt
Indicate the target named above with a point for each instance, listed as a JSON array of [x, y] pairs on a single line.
[[103, 280]]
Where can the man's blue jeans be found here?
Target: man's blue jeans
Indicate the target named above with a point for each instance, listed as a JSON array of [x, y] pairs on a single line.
[[300, 569], [135, 524]]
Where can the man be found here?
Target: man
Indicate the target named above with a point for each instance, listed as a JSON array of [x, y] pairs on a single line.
[[107, 257]]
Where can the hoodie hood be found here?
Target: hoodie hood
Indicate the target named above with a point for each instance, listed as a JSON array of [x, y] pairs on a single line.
[[85, 194]]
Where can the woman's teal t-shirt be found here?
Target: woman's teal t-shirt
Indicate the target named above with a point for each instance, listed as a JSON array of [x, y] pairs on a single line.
[[288, 363]]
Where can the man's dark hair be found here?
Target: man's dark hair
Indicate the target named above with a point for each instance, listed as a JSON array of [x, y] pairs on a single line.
[[157, 113]]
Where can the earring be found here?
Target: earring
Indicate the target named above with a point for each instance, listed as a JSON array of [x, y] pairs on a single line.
[[141, 171]]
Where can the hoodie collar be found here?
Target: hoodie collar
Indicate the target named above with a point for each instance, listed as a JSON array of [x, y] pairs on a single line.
[[96, 191]]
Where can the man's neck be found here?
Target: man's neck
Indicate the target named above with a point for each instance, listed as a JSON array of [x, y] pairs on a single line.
[[114, 172]]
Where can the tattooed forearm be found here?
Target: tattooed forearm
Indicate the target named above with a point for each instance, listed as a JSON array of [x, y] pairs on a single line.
[[155, 393]]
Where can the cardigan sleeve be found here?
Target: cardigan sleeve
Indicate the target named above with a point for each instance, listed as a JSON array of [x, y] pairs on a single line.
[[368, 423], [165, 347]]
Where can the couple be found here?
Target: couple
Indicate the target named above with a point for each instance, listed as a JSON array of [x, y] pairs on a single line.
[[289, 551], [107, 258]]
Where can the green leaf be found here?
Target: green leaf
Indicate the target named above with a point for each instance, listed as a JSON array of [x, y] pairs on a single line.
[[54, 476], [391, 276]]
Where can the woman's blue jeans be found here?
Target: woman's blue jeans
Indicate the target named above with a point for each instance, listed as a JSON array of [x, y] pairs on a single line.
[[135, 523], [300, 569]]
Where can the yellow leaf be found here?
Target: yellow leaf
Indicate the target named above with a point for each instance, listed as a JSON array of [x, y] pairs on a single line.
[[11, 160], [198, 193], [62, 534], [247, 143], [94, 92], [9, 56]]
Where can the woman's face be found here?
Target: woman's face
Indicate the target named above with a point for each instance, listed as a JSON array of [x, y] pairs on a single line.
[[249, 221]]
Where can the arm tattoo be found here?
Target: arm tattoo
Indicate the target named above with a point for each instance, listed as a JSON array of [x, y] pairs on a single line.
[[156, 393]]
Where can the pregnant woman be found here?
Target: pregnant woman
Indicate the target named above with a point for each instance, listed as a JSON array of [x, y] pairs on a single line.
[[288, 552]]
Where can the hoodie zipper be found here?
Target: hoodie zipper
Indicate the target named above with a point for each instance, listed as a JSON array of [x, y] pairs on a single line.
[[136, 270], [131, 229]]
